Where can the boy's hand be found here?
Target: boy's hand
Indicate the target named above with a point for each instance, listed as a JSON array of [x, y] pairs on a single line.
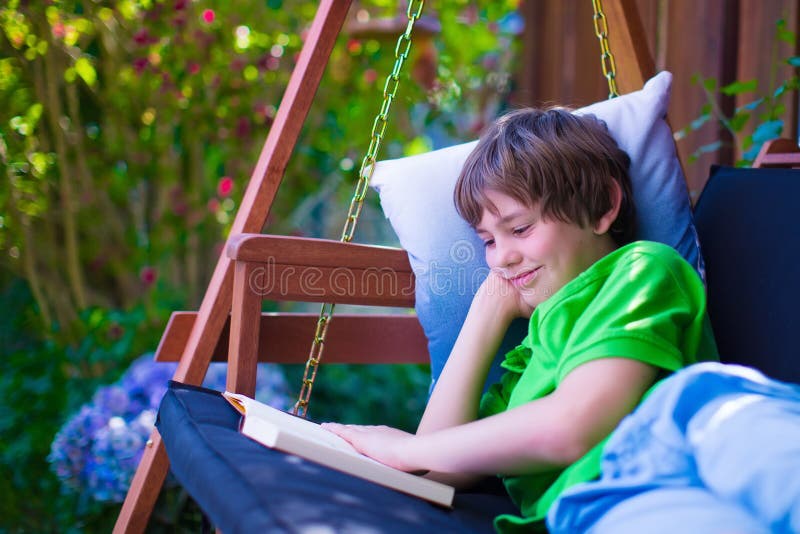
[[381, 443], [501, 295]]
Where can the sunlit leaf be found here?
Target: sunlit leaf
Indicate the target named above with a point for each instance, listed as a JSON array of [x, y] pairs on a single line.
[[418, 145], [699, 121], [86, 71], [710, 147], [40, 163], [739, 87], [767, 130], [750, 106]]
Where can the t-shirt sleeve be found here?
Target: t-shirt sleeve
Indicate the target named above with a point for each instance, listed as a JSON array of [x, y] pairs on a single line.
[[644, 310], [495, 400]]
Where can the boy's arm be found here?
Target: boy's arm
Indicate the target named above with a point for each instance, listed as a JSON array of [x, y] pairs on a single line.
[[457, 392], [553, 431]]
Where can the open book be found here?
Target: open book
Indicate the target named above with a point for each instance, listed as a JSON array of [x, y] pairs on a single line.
[[295, 435]]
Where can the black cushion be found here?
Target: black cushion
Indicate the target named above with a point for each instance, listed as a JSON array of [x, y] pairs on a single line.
[[749, 229], [245, 487]]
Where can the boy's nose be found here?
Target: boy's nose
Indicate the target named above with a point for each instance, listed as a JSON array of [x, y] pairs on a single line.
[[507, 256]]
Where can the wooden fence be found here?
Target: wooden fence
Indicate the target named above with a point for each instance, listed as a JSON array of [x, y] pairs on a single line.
[[727, 40]]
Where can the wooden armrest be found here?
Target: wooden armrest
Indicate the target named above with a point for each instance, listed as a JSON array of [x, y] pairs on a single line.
[[286, 338], [778, 153], [311, 252], [321, 270]]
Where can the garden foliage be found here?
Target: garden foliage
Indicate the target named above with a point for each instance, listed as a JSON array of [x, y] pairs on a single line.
[[128, 132]]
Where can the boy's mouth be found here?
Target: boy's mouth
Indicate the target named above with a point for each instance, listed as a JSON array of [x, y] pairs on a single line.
[[524, 278]]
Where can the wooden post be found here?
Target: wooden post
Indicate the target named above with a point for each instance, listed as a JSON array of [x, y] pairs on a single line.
[[628, 42], [251, 216], [245, 319]]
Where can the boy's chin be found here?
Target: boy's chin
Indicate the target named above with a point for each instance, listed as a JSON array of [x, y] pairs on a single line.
[[535, 297]]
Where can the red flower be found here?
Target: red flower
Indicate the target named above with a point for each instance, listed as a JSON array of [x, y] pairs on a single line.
[[141, 37], [225, 186], [139, 64], [243, 127], [354, 46], [148, 275], [194, 67], [208, 16], [58, 30], [115, 331]]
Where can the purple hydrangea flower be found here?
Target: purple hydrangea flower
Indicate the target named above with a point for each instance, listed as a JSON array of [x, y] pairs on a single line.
[[97, 450]]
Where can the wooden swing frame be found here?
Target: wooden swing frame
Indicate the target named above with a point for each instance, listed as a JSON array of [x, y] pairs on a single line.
[[229, 325]]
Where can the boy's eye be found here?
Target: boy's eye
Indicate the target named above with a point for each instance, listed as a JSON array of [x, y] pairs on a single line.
[[488, 242], [521, 229]]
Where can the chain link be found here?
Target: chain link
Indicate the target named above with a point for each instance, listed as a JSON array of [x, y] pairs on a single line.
[[606, 57], [401, 50]]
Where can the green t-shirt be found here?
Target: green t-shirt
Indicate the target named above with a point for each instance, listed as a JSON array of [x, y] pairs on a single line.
[[642, 301]]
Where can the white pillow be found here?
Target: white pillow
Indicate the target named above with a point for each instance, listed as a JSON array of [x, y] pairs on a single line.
[[446, 255]]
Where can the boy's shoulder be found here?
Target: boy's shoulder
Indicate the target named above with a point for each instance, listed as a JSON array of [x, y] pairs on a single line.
[[638, 270], [644, 253], [648, 264], [640, 264]]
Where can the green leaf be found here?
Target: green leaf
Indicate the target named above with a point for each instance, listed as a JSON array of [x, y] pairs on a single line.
[[86, 71], [739, 87], [750, 106], [752, 152], [710, 147], [418, 145], [710, 84], [40, 162], [699, 121], [738, 121], [786, 36], [767, 130], [794, 61], [681, 134]]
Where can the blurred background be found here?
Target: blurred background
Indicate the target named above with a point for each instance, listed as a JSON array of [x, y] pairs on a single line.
[[129, 129]]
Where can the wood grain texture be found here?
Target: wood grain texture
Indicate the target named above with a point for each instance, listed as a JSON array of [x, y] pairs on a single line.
[[244, 333], [306, 251], [286, 338]]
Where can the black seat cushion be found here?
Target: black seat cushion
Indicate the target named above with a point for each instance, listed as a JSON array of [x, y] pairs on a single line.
[[244, 487], [749, 228]]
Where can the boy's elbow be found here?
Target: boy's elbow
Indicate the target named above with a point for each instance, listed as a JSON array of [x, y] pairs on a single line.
[[564, 446], [572, 448]]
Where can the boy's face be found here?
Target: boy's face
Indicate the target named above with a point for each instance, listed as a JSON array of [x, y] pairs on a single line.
[[537, 256]]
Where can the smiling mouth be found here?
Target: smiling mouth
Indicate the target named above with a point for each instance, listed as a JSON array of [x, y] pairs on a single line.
[[523, 279]]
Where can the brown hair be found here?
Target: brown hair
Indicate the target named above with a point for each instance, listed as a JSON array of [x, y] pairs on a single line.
[[562, 162]]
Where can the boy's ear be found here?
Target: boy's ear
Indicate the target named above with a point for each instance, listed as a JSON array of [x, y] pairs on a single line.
[[607, 219]]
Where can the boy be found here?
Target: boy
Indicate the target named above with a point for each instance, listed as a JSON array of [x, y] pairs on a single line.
[[549, 194]]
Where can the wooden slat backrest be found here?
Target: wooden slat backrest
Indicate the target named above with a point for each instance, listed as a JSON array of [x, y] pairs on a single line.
[[285, 338], [315, 270]]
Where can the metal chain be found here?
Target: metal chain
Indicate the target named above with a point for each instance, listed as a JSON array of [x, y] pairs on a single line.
[[606, 57], [401, 51]]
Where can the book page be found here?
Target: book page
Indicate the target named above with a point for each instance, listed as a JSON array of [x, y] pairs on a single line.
[[288, 422]]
